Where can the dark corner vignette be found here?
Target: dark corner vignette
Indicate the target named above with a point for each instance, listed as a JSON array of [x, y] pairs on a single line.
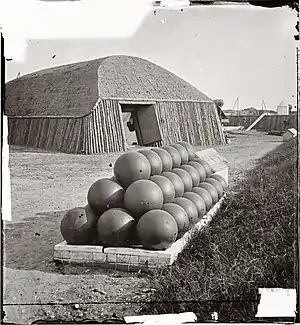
[[2, 91], [267, 3], [297, 214], [2, 76], [2, 87]]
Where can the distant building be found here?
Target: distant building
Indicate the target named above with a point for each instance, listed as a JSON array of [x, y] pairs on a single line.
[[251, 111], [283, 108]]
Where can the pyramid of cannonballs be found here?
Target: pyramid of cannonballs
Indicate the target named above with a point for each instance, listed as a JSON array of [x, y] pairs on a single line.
[[154, 197]]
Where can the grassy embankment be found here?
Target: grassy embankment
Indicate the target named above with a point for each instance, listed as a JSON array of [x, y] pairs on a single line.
[[249, 244]]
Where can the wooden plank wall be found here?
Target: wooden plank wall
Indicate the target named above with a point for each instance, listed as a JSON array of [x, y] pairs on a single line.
[[268, 123], [104, 128], [62, 134], [277, 123], [197, 123], [194, 122]]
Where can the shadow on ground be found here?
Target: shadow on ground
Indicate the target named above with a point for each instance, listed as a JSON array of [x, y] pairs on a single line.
[[29, 244]]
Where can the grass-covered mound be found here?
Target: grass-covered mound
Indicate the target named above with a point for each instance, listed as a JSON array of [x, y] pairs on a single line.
[[249, 244]]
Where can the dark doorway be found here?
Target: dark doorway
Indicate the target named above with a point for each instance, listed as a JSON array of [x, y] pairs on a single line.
[[130, 133], [140, 124]]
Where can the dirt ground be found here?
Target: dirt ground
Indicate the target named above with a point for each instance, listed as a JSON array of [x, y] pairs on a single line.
[[43, 186]]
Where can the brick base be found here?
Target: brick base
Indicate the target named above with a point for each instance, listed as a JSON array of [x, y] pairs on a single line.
[[128, 258]]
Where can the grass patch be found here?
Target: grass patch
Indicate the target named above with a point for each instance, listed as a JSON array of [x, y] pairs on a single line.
[[248, 245]]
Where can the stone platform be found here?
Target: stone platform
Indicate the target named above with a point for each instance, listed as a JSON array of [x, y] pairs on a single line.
[[128, 258]]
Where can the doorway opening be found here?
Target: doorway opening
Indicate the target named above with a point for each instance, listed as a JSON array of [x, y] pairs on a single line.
[[140, 124]]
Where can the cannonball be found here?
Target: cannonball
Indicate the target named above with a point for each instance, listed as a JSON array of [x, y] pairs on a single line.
[[189, 148], [176, 181], [200, 169], [142, 196], [157, 230], [190, 209], [198, 201], [115, 227], [186, 178], [78, 226], [217, 186], [166, 187], [105, 194], [182, 151], [154, 160], [212, 191], [130, 167], [193, 173], [175, 155], [205, 164], [180, 216], [205, 196], [167, 162], [220, 179]]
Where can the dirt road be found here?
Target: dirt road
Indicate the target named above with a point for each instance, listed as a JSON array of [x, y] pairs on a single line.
[[43, 186]]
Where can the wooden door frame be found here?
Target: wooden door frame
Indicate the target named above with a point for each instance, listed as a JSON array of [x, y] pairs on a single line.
[[132, 102], [141, 103]]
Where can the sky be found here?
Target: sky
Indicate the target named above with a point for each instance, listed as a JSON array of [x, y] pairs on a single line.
[[226, 51]]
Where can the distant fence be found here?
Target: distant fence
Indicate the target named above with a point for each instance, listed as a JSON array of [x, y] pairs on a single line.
[[268, 123], [277, 123]]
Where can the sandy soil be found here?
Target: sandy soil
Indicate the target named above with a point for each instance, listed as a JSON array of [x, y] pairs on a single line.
[[44, 185]]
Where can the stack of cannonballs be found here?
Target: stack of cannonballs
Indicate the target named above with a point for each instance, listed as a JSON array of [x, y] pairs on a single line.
[[154, 197]]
